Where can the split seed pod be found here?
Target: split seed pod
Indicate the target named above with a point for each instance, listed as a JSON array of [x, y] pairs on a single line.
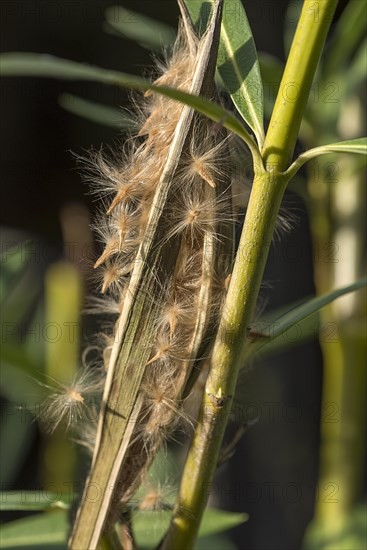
[[169, 237]]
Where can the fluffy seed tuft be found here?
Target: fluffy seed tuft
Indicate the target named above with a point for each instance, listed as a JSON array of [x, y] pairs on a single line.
[[67, 403]]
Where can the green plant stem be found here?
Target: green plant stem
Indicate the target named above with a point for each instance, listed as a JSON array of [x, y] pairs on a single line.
[[246, 277], [228, 353], [296, 82]]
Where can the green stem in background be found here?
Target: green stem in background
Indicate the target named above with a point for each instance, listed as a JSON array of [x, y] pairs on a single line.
[[63, 298], [296, 83], [344, 400], [228, 353]]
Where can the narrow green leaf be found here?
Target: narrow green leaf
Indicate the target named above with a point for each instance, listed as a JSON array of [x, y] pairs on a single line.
[[357, 146], [237, 62], [215, 542], [276, 325], [95, 112], [49, 66], [148, 32], [19, 382], [149, 527], [44, 531], [14, 262], [239, 68], [20, 284], [43, 65], [348, 33], [216, 521], [32, 500]]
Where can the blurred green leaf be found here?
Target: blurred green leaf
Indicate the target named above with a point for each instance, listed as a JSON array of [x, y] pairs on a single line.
[[146, 31], [356, 70], [95, 112], [349, 31], [291, 18], [237, 62], [348, 533], [20, 283], [271, 69], [32, 343], [21, 379], [42, 531], [215, 542], [149, 527], [268, 330], [33, 500], [49, 66], [164, 469], [33, 64], [17, 435], [217, 521], [13, 265]]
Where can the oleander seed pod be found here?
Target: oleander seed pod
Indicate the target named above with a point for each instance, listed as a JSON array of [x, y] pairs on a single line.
[[168, 247]]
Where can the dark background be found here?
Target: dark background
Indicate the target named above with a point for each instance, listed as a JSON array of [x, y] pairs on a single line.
[[39, 178]]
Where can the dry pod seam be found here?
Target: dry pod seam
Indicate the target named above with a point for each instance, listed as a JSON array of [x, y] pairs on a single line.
[[169, 237]]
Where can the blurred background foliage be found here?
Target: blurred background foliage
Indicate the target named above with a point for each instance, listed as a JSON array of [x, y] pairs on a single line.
[[299, 471]]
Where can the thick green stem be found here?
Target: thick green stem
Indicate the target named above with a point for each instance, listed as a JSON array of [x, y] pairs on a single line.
[[296, 83], [265, 200]]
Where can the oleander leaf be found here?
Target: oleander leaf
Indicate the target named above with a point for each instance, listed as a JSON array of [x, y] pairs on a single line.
[[146, 31], [268, 331], [32, 500], [95, 112], [347, 35], [44, 65], [237, 62], [149, 527], [46, 531], [356, 146]]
